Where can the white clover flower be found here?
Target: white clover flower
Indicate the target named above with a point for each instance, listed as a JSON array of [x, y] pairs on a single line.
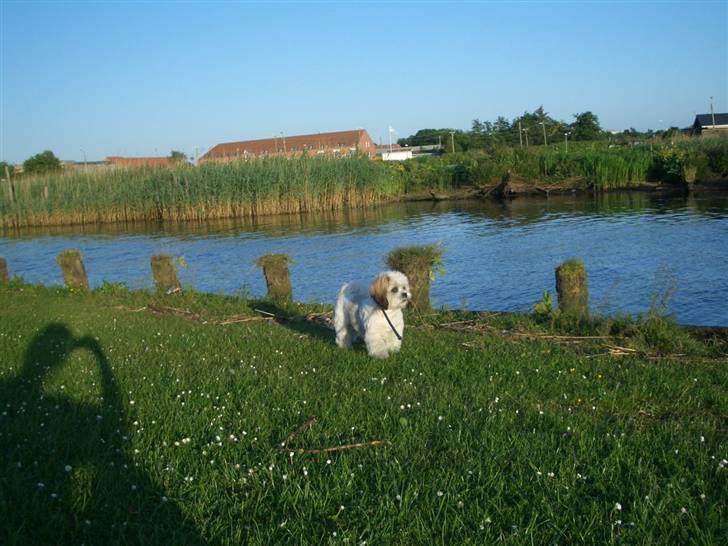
[[68, 468], [617, 506], [440, 493]]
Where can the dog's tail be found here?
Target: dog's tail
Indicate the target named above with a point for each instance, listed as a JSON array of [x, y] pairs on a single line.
[[339, 307]]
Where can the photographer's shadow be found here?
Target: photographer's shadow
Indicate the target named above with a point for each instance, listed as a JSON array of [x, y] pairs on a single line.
[[66, 471]]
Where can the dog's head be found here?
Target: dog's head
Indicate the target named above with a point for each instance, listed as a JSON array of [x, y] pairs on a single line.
[[391, 290]]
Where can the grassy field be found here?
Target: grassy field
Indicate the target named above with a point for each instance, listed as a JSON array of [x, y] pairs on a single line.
[[126, 420]]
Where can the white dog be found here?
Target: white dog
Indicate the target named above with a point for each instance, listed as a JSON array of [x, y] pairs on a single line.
[[373, 313]]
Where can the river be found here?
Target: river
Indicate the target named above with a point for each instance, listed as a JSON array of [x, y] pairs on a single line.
[[639, 250]]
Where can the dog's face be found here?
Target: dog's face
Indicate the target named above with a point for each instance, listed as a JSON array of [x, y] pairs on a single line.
[[391, 290]]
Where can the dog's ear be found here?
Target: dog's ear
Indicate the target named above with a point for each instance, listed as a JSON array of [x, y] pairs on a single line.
[[378, 290]]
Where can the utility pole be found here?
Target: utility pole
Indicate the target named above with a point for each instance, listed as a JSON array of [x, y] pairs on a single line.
[[84, 158], [520, 133], [452, 140], [566, 142], [284, 142], [712, 115], [525, 130], [543, 124]]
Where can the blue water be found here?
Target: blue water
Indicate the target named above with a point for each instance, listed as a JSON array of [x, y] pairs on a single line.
[[639, 249]]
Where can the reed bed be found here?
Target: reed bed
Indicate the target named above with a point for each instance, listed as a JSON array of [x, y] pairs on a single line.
[[230, 190], [247, 189]]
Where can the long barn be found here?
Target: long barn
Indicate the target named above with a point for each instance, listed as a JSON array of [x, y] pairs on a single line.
[[339, 143]]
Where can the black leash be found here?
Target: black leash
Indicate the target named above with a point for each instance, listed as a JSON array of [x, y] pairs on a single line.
[[391, 325]]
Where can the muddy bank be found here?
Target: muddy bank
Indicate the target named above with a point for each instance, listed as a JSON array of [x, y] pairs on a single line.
[[511, 187]]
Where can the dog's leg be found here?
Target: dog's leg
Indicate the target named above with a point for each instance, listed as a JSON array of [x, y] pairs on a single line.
[[345, 336], [377, 347]]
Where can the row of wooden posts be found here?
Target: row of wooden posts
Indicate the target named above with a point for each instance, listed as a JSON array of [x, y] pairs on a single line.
[[571, 279]]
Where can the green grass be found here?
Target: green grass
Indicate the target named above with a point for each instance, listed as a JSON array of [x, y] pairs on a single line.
[[173, 430]]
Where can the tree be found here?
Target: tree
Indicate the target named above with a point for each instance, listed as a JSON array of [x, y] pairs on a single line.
[[5, 165], [478, 127], [42, 163], [177, 157], [586, 127]]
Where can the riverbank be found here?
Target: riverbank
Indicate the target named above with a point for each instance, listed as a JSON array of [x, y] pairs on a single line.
[[279, 186], [196, 419]]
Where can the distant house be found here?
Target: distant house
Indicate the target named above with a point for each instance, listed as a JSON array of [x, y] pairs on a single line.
[[340, 143], [710, 124], [131, 162], [395, 152], [398, 154]]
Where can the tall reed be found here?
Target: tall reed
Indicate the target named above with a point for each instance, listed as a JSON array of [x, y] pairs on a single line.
[[236, 189]]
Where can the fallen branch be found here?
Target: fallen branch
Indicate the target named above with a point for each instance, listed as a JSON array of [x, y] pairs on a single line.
[[164, 310], [240, 318], [307, 425], [558, 338], [343, 447]]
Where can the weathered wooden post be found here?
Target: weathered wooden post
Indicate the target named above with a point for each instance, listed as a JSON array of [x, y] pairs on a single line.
[[74, 272], [277, 277], [3, 271], [572, 289], [165, 275], [417, 263]]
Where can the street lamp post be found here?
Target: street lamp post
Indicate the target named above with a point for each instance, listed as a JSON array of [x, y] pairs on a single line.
[[566, 142]]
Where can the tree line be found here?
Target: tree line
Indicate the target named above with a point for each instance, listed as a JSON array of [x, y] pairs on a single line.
[[531, 128], [47, 162]]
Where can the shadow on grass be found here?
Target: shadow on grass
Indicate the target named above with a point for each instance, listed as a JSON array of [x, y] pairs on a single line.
[[291, 320], [66, 472]]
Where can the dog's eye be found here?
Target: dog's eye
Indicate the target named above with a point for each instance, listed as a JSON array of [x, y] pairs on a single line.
[[394, 290]]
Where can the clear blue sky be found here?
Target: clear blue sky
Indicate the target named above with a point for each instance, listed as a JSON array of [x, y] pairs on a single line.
[[143, 78]]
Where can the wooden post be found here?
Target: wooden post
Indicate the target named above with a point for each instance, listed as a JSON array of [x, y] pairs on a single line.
[[277, 276], [3, 271], [417, 263], [74, 272], [572, 289], [165, 275]]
